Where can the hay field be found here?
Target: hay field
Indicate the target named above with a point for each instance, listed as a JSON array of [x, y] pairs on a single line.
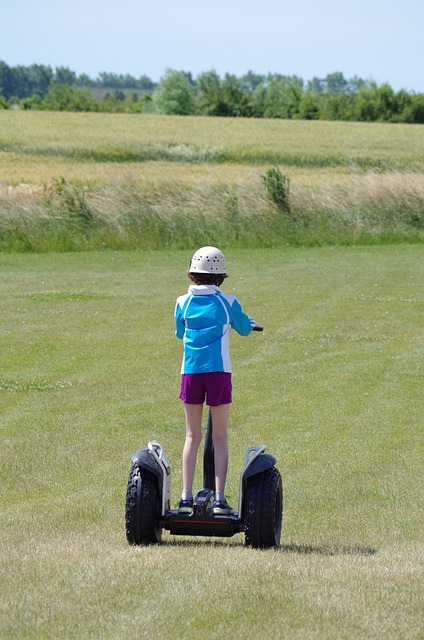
[[349, 182]]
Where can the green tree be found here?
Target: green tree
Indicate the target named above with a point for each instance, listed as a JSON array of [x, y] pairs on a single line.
[[309, 107], [175, 94], [115, 102], [227, 97], [34, 103], [316, 85], [387, 104], [145, 83], [84, 80], [258, 101], [252, 80], [140, 105], [40, 77], [367, 108], [64, 76], [413, 109], [378, 104], [335, 83], [65, 98], [234, 97], [117, 81], [21, 84], [211, 101], [338, 107], [355, 84], [6, 81], [282, 97]]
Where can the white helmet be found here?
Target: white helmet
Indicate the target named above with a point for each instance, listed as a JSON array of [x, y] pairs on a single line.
[[207, 260]]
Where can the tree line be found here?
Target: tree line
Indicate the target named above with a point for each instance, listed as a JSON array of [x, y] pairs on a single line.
[[179, 93]]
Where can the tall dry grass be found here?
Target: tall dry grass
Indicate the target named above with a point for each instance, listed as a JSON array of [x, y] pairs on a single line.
[[151, 213], [392, 190]]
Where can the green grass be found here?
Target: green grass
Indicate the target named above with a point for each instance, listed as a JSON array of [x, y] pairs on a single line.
[[89, 372]]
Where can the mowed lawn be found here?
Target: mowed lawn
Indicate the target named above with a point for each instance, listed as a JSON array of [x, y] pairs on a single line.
[[89, 372]]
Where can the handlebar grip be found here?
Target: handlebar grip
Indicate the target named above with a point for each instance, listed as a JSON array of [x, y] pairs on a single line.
[[257, 327]]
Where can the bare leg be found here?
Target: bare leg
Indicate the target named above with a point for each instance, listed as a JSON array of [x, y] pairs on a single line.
[[193, 414], [220, 416]]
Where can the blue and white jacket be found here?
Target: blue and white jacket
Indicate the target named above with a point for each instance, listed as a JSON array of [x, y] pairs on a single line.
[[203, 318]]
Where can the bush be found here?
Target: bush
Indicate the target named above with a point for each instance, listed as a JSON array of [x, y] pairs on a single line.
[[69, 203], [277, 186]]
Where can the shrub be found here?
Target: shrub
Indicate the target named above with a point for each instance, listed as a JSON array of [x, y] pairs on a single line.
[[277, 186], [69, 202]]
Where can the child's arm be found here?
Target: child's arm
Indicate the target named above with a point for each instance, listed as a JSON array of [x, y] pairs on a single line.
[[179, 321], [240, 321]]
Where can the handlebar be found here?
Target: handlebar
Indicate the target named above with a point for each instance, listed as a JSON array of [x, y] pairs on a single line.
[[257, 327]]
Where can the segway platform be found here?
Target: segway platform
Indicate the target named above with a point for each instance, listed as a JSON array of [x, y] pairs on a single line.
[[202, 521]]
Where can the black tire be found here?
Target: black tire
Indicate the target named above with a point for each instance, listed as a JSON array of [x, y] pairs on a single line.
[[142, 508], [263, 509]]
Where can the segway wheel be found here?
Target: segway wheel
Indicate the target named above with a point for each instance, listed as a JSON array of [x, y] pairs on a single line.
[[263, 509], [142, 508]]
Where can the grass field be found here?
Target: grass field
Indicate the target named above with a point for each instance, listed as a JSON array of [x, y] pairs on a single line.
[[89, 372], [79, 181], [124, 138]]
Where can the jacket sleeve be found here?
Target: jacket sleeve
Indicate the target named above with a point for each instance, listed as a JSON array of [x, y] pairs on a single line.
[[179, 321], [240, 321]]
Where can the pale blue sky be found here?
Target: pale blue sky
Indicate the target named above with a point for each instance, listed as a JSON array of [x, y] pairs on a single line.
[[380, 40]]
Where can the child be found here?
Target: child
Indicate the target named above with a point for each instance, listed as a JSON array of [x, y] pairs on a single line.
[[204, 317]]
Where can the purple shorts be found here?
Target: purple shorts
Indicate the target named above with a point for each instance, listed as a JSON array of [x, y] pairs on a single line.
[[215, 387]]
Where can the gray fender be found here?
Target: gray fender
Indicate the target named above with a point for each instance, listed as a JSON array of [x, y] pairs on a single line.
[[143, 458], [262, 463]]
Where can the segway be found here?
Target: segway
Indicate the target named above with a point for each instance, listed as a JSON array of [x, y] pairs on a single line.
[[148, 499]]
